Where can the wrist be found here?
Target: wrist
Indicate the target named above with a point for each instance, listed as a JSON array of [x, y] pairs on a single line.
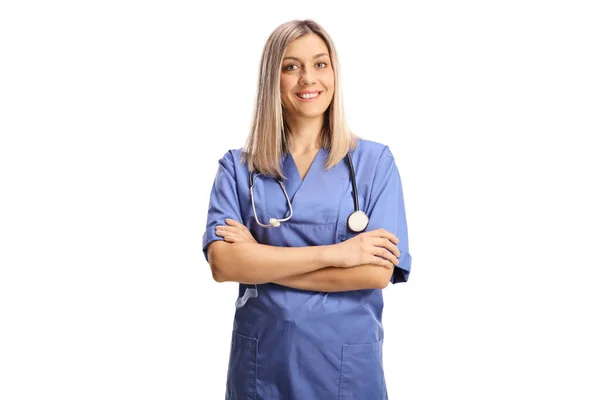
[[331, 256]]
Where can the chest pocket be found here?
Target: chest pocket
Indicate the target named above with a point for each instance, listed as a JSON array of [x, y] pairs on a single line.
[[315, 210]]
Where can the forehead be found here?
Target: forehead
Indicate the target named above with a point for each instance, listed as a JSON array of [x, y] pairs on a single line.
[[306, 47]]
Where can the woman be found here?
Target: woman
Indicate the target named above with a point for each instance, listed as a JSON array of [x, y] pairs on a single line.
[[311, 262]]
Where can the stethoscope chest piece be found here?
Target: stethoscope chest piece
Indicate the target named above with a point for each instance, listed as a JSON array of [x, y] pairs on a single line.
[[358, 221]]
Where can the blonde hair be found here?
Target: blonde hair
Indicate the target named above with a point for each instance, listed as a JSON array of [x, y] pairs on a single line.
[[269, 136]]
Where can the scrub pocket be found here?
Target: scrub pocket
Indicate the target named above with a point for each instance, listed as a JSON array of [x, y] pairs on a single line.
[[241, 374], [362, 372]]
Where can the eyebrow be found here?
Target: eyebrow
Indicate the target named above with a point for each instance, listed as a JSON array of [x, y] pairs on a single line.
[[315, 56]]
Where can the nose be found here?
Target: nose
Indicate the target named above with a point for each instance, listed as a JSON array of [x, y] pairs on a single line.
[[306, 77]]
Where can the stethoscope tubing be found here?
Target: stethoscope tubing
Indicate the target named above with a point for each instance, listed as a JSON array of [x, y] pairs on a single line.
[[251, 179]]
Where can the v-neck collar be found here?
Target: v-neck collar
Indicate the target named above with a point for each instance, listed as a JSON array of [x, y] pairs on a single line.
[[294, 181]]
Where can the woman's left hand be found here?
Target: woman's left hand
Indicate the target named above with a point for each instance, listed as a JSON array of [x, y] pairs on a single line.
[[234, 232]]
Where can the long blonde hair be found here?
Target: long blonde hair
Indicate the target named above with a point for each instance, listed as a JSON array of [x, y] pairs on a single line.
[[269, 136]]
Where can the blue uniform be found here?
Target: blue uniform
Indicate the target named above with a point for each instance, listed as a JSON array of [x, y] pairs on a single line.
[[290, 344]]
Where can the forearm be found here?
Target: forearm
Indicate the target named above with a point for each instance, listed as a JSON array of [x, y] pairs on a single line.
[[254, 263], [332, 279]]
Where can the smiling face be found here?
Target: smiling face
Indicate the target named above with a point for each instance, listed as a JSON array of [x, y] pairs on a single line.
[[307, 81]]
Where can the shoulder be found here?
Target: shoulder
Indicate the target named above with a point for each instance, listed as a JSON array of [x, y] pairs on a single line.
[[371, 150], [232, 161], [232, 156], [233, 164]]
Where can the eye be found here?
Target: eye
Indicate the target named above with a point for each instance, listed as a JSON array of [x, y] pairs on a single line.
[[290, 67]]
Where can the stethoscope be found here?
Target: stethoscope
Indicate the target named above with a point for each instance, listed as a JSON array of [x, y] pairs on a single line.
[[357, 220]]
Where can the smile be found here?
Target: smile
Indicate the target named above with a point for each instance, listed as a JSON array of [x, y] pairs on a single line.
[[308, 96]]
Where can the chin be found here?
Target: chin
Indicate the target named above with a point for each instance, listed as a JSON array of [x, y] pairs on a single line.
[[313, 114]]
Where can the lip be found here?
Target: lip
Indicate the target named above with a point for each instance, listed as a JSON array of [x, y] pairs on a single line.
[[309, 91]]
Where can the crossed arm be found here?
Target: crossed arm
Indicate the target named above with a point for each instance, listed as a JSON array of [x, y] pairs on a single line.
[[332, 279], [363, 262]]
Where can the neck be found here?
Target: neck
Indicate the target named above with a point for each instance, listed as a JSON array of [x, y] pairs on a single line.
[[305, 134]]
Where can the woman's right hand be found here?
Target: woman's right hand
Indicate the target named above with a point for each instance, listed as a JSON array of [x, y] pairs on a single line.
[[373, 247]]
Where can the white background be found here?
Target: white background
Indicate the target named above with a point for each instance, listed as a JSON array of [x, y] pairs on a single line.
[[113, 116]]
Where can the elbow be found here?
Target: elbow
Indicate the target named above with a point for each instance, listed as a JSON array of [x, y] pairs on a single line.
[[215, 250], [382, 283], [223, 262], [383, 279], [217, 274]]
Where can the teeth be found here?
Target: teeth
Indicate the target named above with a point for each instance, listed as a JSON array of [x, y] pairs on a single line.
[[309, 95]]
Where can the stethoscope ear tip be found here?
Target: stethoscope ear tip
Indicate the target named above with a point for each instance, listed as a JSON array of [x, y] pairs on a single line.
[[274, 222]]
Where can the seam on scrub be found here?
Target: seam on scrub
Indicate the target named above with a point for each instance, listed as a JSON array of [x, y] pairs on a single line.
[[301, 223], [311, 223], [256, 370], [233, 176], [341, 375], [373, 179], [237, 189]]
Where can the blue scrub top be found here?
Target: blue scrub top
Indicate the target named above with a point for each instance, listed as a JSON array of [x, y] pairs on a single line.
[[297, 344]]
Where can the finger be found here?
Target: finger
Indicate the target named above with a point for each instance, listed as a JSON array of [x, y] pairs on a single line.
[[391, 237], [230, 230], [384, 243], [226, 228], [242, 230], [381, 252], [381, 262], [387, 234], [234, 238], [242, 233], [233, 222], [385, 263], [223, 230], [236, 228], [377, 232], [381, 242]]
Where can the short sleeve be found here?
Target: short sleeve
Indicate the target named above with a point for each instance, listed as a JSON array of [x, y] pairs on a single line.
[[386, 210], [224, 202]]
